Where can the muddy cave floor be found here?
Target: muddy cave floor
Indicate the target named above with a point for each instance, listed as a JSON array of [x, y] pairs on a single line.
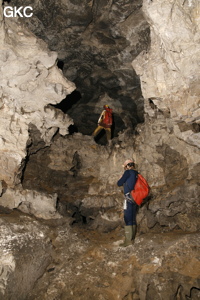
[[88, 264]]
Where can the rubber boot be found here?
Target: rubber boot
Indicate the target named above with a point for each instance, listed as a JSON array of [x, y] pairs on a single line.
[[128, 236], [134, 232]]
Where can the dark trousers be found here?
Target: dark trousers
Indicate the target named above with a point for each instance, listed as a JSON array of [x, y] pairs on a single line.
[[130, 211]]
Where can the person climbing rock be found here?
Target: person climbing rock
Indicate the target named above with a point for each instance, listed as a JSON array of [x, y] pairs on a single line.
[[128, 181], [105, 122]]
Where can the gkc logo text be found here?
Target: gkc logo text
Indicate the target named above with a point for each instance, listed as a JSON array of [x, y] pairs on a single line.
[[24, 12]]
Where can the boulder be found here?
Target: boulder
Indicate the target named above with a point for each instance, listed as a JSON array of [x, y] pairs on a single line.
[[25, 250]]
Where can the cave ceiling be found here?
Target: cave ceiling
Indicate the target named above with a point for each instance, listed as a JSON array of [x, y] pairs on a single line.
[[96, 42]]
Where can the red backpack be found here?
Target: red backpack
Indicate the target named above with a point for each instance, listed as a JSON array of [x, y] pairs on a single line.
[[108, 117], [141, 190]]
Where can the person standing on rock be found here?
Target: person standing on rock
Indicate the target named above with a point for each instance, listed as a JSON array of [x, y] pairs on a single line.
[[105, 122], [128, 181]]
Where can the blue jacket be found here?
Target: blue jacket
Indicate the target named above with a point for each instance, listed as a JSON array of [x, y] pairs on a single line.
[[128, 179]]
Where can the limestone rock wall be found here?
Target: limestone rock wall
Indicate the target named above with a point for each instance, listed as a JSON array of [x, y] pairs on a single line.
[[84, 174], [169, 71], [172, 169], [29, 81], [96, 43], [167, 149]]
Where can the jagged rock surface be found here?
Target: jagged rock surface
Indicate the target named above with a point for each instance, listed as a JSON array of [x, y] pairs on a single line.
[[84, 174], [30, 80], [81, 264], [96, 43], [31, 202], [85, 185], [169, 71], [169, 81], [163, 264], [25, 250]]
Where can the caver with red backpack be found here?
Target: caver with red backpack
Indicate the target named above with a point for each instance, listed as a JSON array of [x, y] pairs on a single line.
[[105, 122], [136, 189], [105, 119]]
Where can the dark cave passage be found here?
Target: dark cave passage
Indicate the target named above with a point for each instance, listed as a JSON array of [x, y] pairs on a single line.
[[69, 101], [85, 121], [94, 52]]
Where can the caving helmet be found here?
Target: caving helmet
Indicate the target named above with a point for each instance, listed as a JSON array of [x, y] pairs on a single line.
[[129, 162]]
